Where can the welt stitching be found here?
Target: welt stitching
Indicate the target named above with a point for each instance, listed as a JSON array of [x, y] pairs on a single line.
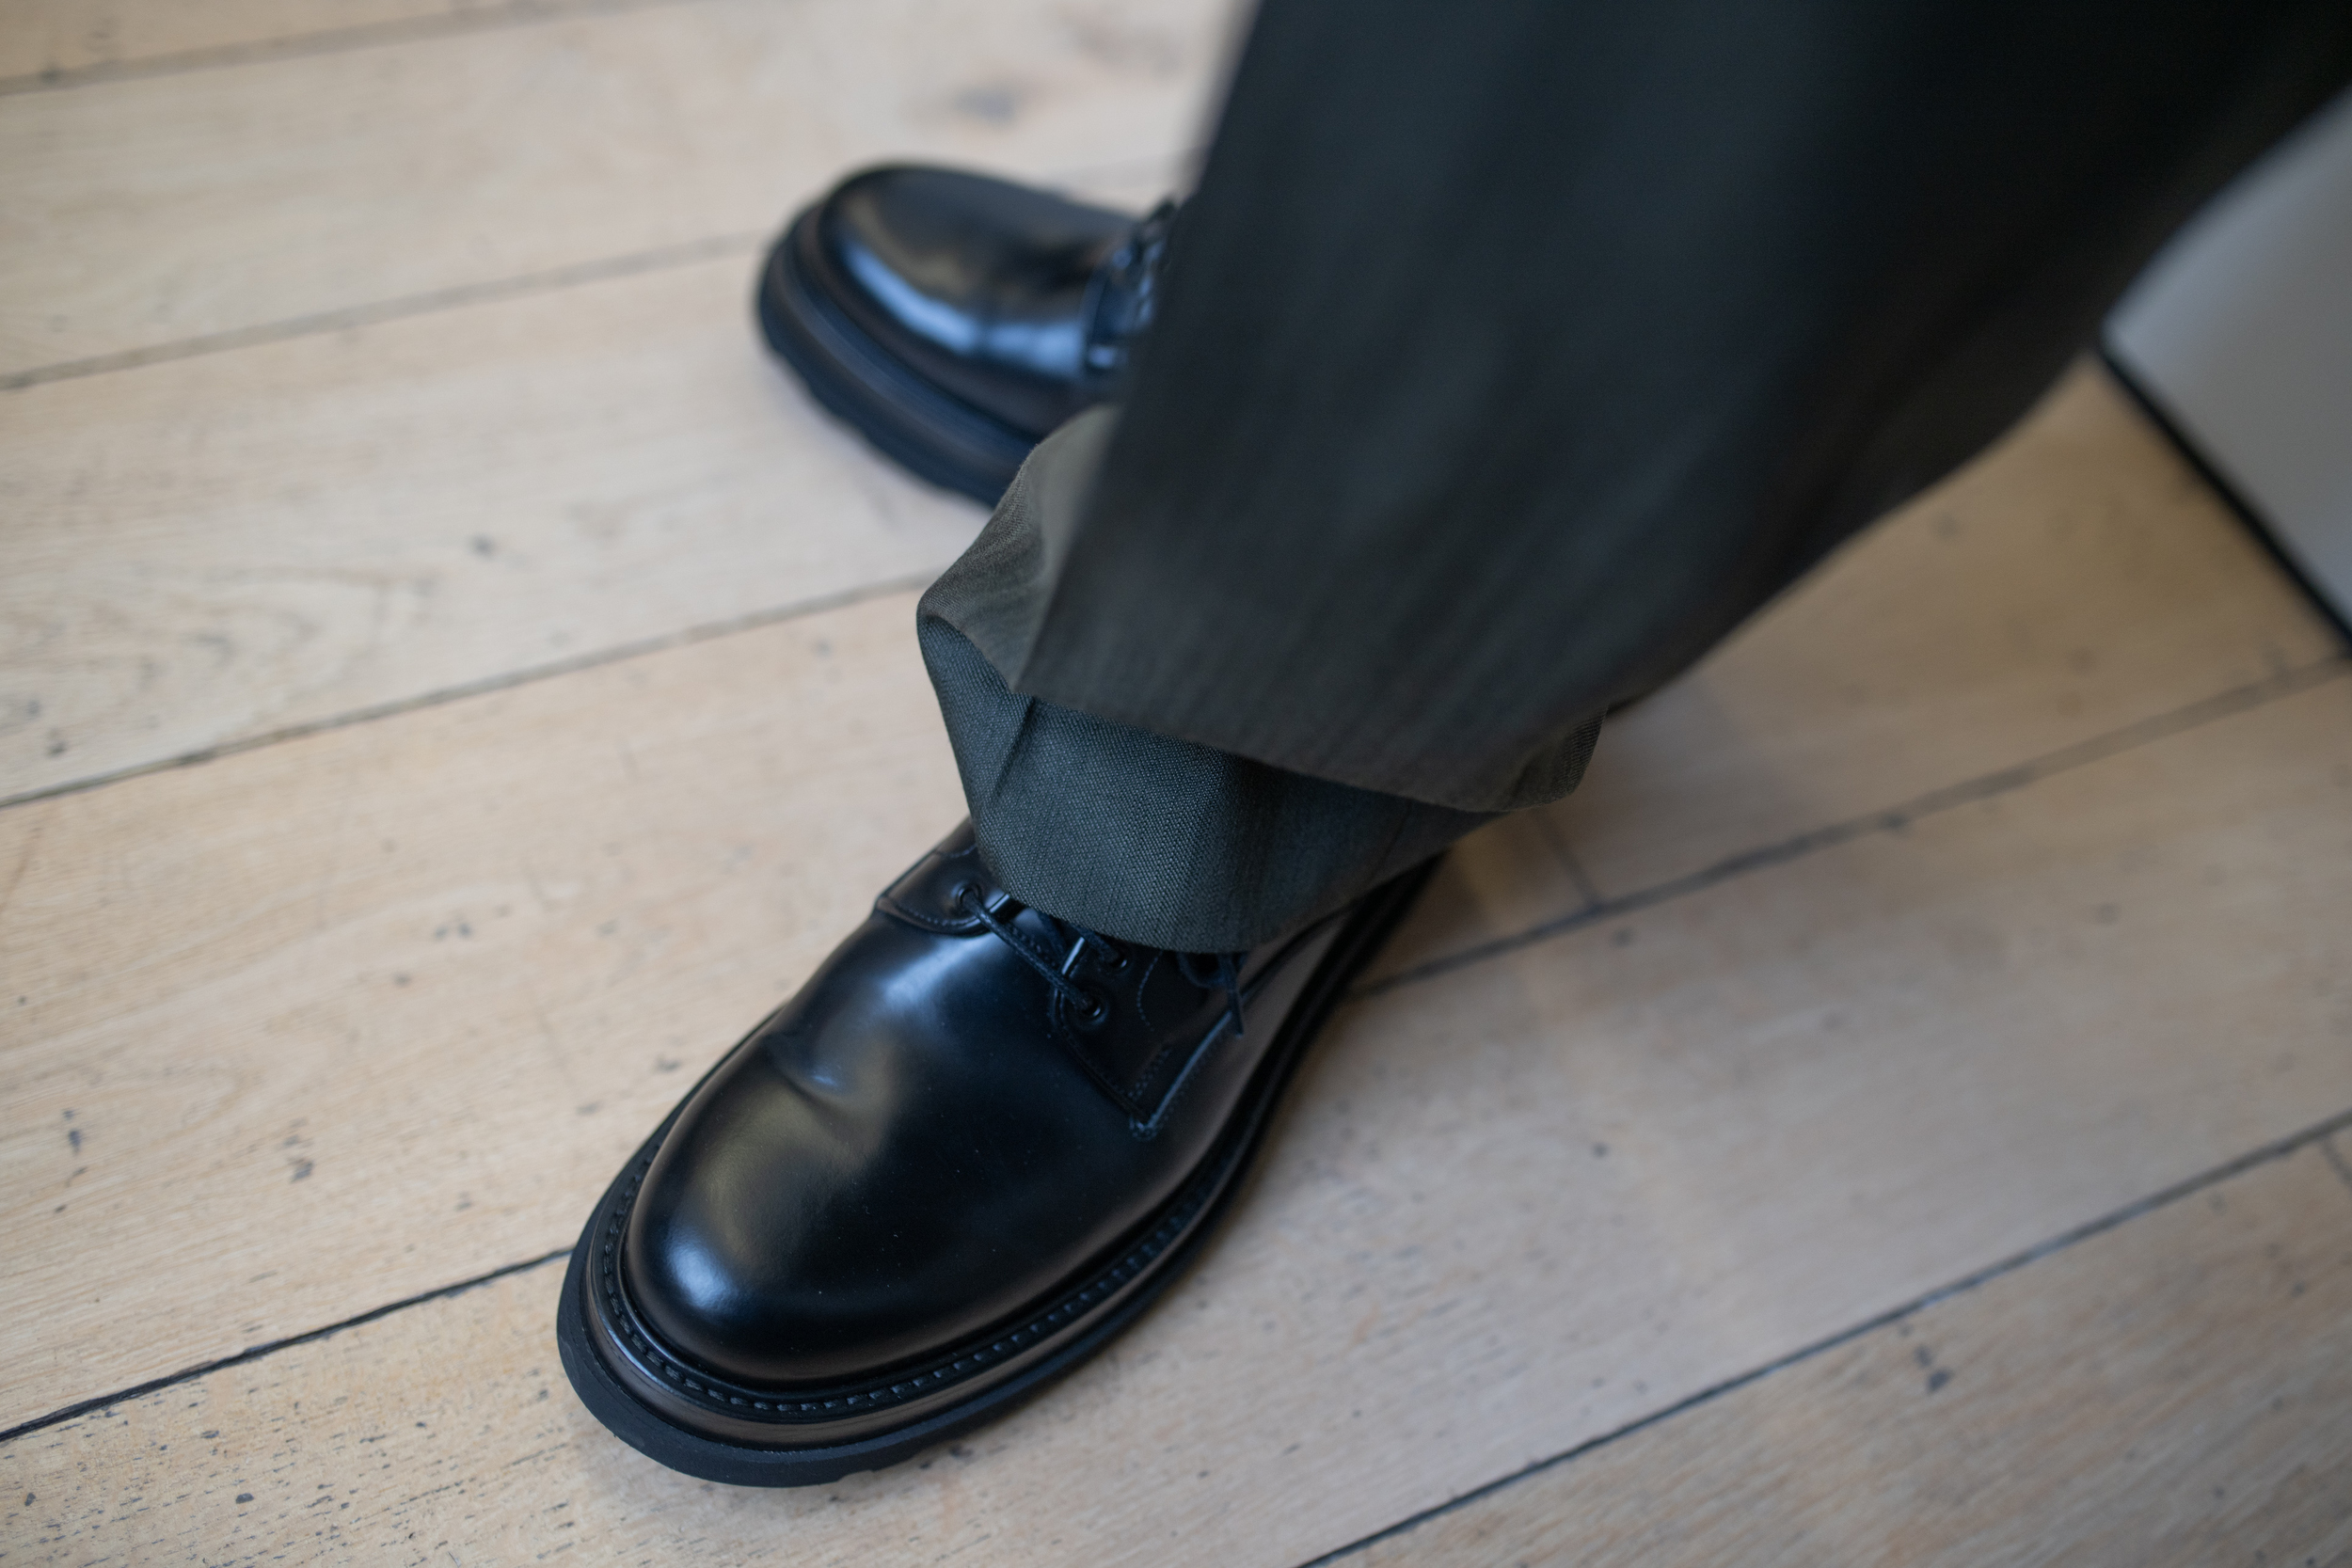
[[1105, 1284]]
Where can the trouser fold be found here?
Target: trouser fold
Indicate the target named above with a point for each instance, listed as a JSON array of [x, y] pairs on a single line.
[[1147, 837], [1508, 357]]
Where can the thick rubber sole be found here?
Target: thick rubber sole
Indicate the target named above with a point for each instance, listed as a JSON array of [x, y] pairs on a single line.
[[842, 1435], [936, 436]]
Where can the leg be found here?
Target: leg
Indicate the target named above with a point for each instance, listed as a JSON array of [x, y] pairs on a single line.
[[1509, 356], [1507, 359]]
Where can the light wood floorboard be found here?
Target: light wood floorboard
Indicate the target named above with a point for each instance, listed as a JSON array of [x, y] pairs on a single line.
[[339, 1020], [208, 550], [72, 41], [226, 547], [2171, 1391], [144, 212], [2075, 580], [2078, 580], [1514, 1207], [2177, 1391], [1990, 883]]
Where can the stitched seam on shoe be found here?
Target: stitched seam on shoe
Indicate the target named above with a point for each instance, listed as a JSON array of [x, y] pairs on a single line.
[[896, 910], [1149, 1127], [978, 433], [891, 906], [942, 1371], [945, 1370]]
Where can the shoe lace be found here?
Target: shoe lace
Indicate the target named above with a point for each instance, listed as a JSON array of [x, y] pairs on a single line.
[[1218, 971], [1224, 973], [1125, 292]]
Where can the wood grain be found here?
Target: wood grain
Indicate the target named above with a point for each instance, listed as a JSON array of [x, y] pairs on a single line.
[[2171, 1391], [442, 375], [65, 40], [217, 548], [2074, 582], [226, 547], [1514, 1207], [323, 1024], [2076, 579], [2175, 1391], [147, 212]]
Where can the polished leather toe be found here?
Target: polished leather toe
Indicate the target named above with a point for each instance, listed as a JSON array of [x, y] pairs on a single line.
[[933, 1136], [980, 285], [877, 1172], [956, 318], [973, 1149]]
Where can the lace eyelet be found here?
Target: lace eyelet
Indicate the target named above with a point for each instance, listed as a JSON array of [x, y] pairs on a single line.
[[960, 892], [1096, 1014]]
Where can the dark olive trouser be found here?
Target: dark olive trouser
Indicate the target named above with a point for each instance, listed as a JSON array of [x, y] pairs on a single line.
[[1509, 356]]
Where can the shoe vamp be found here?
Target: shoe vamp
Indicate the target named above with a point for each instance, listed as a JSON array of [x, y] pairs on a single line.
[[905, 1157], [978, 285]]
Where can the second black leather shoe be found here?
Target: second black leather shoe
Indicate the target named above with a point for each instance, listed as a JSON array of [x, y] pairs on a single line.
[[973, 1148], [954, 319]]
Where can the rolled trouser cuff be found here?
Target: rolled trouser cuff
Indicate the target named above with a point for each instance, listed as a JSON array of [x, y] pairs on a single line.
[[1152, 840], [1144, 836]]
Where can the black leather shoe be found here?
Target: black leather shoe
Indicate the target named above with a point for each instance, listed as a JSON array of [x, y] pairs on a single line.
[[956, 320], [975, 1146]]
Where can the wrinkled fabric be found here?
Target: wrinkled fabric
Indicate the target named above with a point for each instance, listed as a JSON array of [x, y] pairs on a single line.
[[1145, 837], [1508, 357]]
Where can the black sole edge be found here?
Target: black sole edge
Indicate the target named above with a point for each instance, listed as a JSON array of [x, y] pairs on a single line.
[[740, 1464], [938, 440]]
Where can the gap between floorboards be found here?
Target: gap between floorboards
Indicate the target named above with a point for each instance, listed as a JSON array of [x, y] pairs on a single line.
[[2320, 1133], [904, 583], [2242, 700], [1893, 818], [327, 40]]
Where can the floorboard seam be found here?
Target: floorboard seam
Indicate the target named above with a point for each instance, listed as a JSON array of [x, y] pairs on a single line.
[[431, 302], [255, 1352], [457, 296], [904, 583], [2180, 721], [2164, 1197], [1891, 819], [329, 41]]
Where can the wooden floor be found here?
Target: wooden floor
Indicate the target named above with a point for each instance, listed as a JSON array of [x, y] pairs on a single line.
[[450, 683]]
